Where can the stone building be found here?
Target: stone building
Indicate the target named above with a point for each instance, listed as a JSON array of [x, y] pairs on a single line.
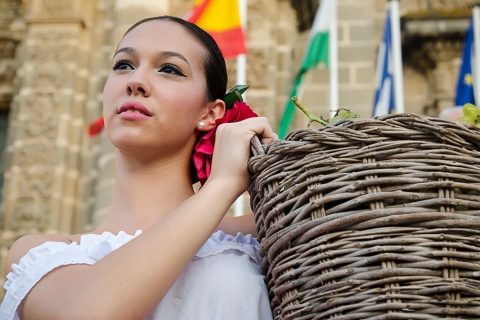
[[55, 56]]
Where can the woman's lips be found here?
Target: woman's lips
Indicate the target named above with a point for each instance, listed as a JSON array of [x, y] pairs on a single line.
[[132, 110]]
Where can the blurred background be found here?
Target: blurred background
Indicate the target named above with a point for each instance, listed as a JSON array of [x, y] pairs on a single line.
[[55, 57]]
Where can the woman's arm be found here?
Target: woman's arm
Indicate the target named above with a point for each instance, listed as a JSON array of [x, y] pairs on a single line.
[[244, 224], [130, 282], [136, 275]]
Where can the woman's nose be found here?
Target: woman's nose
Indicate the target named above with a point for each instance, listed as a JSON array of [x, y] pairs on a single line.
[[138, 85]]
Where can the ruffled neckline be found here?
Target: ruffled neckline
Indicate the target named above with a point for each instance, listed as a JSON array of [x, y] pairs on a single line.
[[97, 246], [120, 237], [218, 242], [91, 248]]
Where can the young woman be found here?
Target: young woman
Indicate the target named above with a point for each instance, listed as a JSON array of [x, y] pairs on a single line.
[[157, 254]]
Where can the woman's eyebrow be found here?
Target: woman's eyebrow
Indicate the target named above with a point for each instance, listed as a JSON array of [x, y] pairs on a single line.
[[168, 54], [126, 50], [162, 54]]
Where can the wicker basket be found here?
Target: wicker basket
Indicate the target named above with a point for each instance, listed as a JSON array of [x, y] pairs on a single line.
[[371, 219]]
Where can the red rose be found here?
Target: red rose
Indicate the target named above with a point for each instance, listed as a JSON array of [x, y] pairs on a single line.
[[202, 157]]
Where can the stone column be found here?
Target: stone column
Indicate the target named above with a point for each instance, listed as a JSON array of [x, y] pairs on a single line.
[[11, 29], [46, 126], [441, 79], [92, 148]]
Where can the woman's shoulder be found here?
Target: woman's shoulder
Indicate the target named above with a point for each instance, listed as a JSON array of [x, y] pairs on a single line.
[[24, 244], [92, 245]]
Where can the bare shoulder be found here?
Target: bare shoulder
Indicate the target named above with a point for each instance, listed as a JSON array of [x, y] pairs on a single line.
[[25, 243]]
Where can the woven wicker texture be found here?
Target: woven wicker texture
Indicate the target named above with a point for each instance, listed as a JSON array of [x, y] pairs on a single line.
[[371, 219]]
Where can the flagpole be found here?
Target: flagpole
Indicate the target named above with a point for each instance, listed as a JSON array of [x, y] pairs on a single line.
[[241, 78], [333, 59], [397, 57], [242, 58], [476, 53]]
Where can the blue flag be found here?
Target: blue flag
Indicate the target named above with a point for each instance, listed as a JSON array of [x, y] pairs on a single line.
[[465, 76], [384, 98]]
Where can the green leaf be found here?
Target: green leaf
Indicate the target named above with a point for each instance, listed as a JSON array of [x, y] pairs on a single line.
[[234, 95]]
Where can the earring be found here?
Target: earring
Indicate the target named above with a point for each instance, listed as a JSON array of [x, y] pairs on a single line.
[[201, 124]]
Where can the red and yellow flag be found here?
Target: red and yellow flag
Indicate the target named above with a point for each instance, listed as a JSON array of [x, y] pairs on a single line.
[[221, 19]]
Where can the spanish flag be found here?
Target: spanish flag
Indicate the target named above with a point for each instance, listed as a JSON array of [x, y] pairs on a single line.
[[221, 19]]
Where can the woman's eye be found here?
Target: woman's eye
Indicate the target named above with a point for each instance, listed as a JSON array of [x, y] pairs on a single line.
[[168, 68], [123, 65]]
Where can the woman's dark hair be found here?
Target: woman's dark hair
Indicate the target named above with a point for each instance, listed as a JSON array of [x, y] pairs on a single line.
[[214, 63]]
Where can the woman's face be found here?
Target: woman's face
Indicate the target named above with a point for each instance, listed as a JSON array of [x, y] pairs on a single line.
[[155, 93]]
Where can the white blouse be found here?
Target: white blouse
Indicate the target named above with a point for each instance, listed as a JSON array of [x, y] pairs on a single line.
[[223, 280]]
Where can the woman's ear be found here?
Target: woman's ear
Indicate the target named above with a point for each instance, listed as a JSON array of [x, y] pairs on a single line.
[[213, 111]]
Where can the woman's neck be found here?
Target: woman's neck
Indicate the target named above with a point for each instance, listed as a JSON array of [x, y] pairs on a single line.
[[145, 192]]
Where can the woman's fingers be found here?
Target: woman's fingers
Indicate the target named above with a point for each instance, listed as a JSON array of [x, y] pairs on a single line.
[[249, 127], [264, 131], [269, 139], [261, 127], [232, 147]]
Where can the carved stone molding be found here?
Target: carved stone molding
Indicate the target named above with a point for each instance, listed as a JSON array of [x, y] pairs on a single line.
[[441, 82], [7, 71], [33, 203], [305, 11], [46, 74], [56, 8], [436, 5], [52, 44], [46, 79], [35, 153], [435, 59], [425, 55], [7, 48], [8, 12], [433, 35], [434, 30], [59, 11], [443, 49]]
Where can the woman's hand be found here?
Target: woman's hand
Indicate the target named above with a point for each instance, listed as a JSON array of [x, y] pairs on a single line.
[[232, 150]]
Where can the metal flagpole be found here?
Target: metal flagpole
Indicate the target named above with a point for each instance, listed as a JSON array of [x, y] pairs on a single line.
[[333, 59], [476, 53], [242, 58], [241, 78], [397, 57]]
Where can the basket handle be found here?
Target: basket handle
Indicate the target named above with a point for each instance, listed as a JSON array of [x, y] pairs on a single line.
[[256, 146]]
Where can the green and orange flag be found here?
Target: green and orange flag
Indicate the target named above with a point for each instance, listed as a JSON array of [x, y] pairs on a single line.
[[221, 19]]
